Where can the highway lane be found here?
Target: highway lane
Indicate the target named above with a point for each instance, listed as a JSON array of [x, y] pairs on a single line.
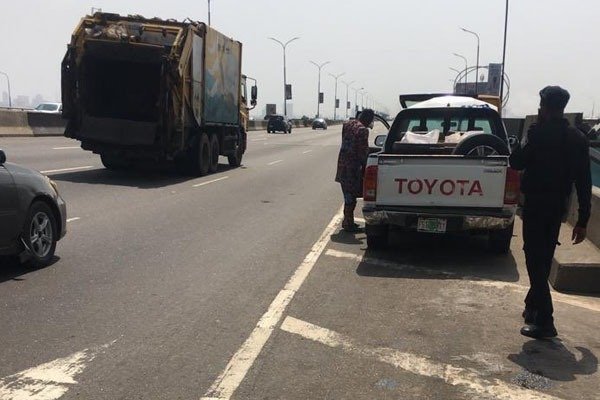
[[173, 274]]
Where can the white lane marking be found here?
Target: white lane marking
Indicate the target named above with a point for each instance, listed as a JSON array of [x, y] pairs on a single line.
[[361, 220], [307, 151], [560, 297], [275, 162], [47, 381], [209, 182], [257, 140], [418, 365], [66, 148], [52, 171], [73, 219], [235, 371]]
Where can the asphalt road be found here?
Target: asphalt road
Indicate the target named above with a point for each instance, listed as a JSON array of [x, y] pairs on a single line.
[[240, 285]]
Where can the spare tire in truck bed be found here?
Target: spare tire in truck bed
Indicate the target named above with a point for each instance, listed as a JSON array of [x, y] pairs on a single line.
[[481, 144]]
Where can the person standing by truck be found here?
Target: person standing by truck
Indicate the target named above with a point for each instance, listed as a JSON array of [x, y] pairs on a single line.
[[351, 162], [554, 157]]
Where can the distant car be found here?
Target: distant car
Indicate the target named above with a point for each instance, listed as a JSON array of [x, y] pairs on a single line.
[[319, 123], [49, 108], [33, 216], [279, 123]]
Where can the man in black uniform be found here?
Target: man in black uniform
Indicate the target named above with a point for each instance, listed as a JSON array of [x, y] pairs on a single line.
[[553, 157]]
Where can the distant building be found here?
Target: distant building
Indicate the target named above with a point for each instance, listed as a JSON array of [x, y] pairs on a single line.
[[21, 101], [489, 87]]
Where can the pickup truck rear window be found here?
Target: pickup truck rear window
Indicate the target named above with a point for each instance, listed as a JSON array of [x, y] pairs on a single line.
[[452, 124]]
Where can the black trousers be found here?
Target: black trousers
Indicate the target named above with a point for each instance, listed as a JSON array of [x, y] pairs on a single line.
[[541, 226]]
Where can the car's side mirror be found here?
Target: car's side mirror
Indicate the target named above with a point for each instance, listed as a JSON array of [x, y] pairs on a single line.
[[253, 95], [2, 157], [513, 142], [380, 140]]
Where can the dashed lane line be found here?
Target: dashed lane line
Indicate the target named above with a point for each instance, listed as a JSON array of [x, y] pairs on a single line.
[[53, 171], [275, 162], [209, 182], [66, 148], [307, 151], [560, 297], [237, 368], [258, 140], [419, 365], [73, 219]]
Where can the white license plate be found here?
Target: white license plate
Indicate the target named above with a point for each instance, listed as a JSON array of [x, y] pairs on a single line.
[[432, 225]]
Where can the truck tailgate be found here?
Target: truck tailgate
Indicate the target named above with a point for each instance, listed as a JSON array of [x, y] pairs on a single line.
[[441, 181]]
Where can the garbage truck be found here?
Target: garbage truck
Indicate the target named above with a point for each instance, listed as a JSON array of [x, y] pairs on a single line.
[[152, 91]]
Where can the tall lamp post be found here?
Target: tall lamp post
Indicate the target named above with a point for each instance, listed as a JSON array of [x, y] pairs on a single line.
[[347, 86], [283, 46], [319, 66], [503, 56], [208, 12], [466, 67], [457, 74], [356, 98], [335, 100], [477, 67], [8, 84]]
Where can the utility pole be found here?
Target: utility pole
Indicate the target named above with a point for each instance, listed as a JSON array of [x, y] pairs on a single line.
[[208, 12], [477, 68], [319, 66], [503, 57], [347, 86], [335, 100], [356, 99], [466, 67], [283, 46], [8, 84]]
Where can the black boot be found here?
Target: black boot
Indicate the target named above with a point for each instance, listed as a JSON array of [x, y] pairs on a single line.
[[539, 331]]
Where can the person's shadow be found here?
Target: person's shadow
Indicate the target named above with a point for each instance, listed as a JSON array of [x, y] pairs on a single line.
[[551, 359]]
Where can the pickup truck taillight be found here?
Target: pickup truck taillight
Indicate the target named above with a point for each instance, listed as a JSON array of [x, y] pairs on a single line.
[[512, 188], [370, 183]]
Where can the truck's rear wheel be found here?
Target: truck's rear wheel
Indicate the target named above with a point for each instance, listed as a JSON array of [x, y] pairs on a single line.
[[499, 240], [203, 155], [214, 153], [113, 163]]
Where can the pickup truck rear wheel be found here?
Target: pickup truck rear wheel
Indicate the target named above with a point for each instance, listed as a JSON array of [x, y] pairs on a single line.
[[377, 236], [499, 240], [214, 153]]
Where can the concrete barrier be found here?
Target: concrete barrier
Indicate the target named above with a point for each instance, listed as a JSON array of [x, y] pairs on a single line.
[[29, 123]]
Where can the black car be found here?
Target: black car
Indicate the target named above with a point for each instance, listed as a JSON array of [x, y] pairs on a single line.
[[319, 123], [33, 216], [279, 123]]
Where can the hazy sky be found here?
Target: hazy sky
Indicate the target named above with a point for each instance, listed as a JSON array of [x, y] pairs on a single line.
[[387, 47]]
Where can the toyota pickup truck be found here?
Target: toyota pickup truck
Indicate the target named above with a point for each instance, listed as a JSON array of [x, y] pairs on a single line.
[[443, 168]]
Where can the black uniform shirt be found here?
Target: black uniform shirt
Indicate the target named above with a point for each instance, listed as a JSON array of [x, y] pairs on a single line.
[[555, 156]]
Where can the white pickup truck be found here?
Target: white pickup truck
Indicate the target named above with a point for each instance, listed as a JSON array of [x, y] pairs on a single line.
[[443, 168]]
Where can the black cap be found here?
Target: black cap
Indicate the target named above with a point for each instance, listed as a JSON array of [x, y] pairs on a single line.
[[554, 97]]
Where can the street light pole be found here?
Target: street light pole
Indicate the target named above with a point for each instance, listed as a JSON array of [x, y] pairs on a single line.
[[335, 100], [477, 67], [466, 67], [208, 12], [356, 99], [8, 84], [283, 46], [455, 79], [503, 56], [347, 86], [319, 66]]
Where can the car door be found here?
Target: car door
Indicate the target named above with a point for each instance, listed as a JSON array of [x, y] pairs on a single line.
[[8, 208]]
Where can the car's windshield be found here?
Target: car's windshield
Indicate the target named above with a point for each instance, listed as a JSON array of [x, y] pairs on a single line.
[[445, 125], [47, 107]]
